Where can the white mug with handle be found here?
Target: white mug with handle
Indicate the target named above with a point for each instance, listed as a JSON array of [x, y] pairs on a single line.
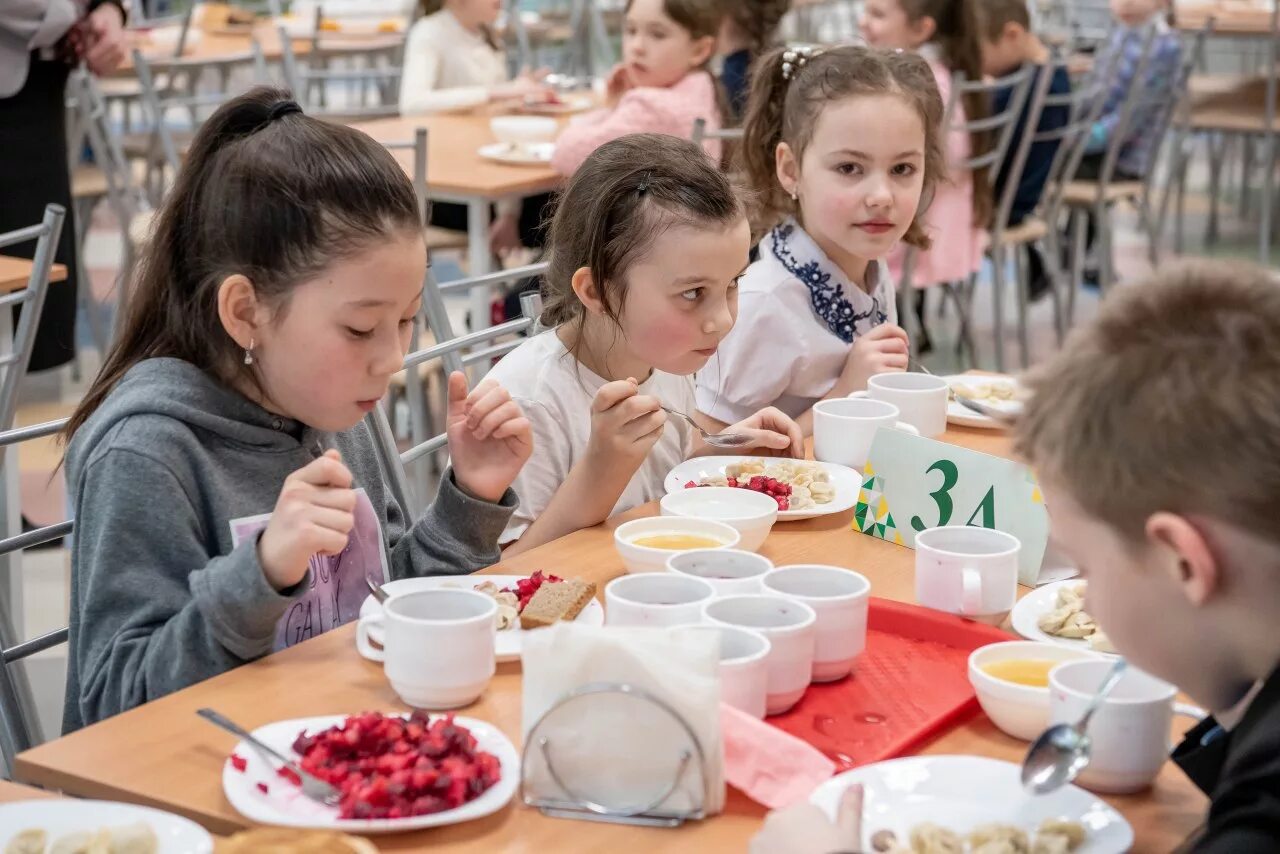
[[968, 571], [921, 399], [845, 427], [439, 645]]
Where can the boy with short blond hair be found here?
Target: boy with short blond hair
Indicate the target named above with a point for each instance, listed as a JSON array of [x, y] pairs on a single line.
[[1156, 437]]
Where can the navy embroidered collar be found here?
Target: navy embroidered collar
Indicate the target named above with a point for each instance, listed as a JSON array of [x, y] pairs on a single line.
[[847, 310]]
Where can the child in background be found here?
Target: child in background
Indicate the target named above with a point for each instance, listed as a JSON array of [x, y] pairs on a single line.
[[839, 147], [453, 62], [662, 85], [270, 310], [646, 249], [946, 33], [1183, 566], [749, 28], [1007, 45]]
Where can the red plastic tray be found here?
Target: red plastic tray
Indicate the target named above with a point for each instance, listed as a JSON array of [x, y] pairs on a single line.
[[910, 684]]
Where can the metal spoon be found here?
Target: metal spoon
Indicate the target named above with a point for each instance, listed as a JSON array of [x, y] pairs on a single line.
[[1062, 751], [312, 786], [718, 440], [376, 589]]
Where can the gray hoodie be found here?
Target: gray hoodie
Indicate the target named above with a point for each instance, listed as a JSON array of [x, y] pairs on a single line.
[[161, 598]]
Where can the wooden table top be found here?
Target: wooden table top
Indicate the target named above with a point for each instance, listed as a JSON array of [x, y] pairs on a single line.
[[10, 792], [235, 46], [1232, 18], [454, 166], [15, 272], [160, 754]]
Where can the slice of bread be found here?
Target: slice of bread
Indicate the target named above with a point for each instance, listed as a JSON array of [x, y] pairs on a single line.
[[562, 600]]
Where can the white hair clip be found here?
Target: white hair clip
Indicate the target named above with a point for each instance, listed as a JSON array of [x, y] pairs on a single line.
[[795, 58]]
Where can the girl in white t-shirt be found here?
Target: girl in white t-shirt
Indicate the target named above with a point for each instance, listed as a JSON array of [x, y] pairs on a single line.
[[840, 145], [647, 245]]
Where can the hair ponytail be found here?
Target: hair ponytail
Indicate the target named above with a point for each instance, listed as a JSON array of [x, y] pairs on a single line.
[[762, 130]]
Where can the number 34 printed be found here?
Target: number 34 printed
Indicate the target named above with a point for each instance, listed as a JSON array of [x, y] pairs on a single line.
[[942, 497]]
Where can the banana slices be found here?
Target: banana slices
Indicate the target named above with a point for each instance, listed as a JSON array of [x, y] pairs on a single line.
[[1068, 619]]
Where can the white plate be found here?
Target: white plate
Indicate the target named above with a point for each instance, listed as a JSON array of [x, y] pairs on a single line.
[[507, 645], [846, 481], [1042, 600], [537, 154], [60, 816], [284, 804], [569, 104], [962, 792], [958, 413]]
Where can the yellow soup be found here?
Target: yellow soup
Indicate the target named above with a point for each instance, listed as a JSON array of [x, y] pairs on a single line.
[[677, 542], [1033, 672]]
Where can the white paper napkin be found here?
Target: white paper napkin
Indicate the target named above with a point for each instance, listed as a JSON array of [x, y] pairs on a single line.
[[615, 750]]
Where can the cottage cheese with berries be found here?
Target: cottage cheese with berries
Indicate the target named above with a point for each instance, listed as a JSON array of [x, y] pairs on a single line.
[[794, 484]]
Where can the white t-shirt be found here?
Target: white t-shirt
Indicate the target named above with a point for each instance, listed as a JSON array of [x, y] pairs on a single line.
[[798, 316], [556, 393]]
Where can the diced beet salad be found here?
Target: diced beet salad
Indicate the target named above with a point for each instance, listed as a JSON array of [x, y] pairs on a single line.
[[772, 487], [390, 767], [526, 587]]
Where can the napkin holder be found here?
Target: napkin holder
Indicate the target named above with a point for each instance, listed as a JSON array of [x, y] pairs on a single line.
[[579, 805]]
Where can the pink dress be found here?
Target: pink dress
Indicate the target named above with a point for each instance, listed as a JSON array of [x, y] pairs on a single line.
[[645, 109], [957, 245]]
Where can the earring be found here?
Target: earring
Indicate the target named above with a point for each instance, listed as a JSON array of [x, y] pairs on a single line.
[[795, 197], [248, 353]]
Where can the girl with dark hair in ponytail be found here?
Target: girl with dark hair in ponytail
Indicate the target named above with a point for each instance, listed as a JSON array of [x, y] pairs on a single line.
[[228, 500], [948, 34]]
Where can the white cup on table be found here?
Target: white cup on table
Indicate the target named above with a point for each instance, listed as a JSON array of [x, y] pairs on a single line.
[[744, 671], [1131, 728], [655, 600], [972, 572], [845, 427], [790, 627], [416, 628], [729, 571], [921, 399], [839, 597]]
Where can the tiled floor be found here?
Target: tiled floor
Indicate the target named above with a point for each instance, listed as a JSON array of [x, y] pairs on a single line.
[[45, 573]]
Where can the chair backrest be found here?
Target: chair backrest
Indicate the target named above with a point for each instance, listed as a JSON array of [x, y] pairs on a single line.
[[1193, 50], [1001, 124], [31, 298], [310, 78], [700, 133], [19, 727], [456, 353], [126, 197], [177, 90]]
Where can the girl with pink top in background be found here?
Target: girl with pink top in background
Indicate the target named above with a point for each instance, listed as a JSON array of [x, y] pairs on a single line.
[[946, 33], [662, 85]]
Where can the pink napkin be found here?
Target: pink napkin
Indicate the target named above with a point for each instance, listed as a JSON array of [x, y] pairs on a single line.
[[769, 766]]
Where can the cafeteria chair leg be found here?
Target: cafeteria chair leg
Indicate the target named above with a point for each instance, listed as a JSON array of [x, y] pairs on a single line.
[[1075, 279], [1106, 263], [1020, 290], [997, 303], [1216, 151]]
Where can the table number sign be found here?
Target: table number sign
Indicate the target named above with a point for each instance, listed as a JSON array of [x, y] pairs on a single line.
[[912, 483]]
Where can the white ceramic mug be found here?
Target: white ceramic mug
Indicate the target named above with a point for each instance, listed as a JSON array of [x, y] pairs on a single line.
[[968, 571], [845, 427], [744, 671], [1130, 731], [655, 600], [790, 627], [921, 399], [839, 597], [439, 645], [729, 571]]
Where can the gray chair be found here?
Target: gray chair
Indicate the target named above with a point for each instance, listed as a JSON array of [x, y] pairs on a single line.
[[475, 348], [373, 69], [700, 133], [19, 727], [31, 298], [1002, 124]]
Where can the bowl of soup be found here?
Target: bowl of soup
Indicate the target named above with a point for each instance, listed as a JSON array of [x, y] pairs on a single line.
[[752, 513], [645, 544], [1011, 680]]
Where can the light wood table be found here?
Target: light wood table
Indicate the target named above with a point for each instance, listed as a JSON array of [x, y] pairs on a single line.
[[457, 173], [1231, 19], [16, 272], [161, 754], [10, 792], [225, 46]]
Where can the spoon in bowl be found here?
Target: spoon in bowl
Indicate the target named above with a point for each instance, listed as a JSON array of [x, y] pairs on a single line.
[[1062, 751]]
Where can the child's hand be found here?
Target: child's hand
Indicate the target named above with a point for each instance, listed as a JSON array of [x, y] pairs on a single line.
[[504, 234], [489, 438], [625, 425], [617, 84], [775, 434], [314, 515], [885, 348], [805, 829]]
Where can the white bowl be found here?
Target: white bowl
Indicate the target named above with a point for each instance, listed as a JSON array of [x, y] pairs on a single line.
[[1018, 710], [523, 130], [647, 559], [731, 572], [752, 513]]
